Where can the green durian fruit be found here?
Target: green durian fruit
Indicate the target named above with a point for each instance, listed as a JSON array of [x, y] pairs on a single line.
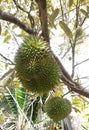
[[36, 68], [57, 108]]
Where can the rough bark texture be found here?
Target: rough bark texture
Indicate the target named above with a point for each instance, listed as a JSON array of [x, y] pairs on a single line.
[[43, 18]]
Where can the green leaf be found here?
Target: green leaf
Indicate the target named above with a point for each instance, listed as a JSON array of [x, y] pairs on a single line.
[[84, 12], [11, 103], [82, 1], [25, 1], [5, 32], [22, 34], [7, 38], [70, 3], [79, 32], [88, 9], [20, 96], [66, 29], [14, 26], [54, 15]]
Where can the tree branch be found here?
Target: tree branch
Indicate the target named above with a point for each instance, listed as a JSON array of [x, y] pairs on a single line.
[[10, 62], [14, 20], [18, 6], [67, 80], [81, 62], [65, 77], [6, 74], [28, 12], [62, 12], [43, 18]]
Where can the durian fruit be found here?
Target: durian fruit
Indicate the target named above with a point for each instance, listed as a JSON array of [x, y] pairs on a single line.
[[57, 108], [36, 68]]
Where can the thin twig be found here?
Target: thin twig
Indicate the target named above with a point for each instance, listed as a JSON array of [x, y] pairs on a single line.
[[77, 14], [82, 22], [81, 62], [66, 52], [12, 19], [85, 87], [13, 34], [70, 11], [84, 127], [78, 78], [31, 20], [7, 73], [18, 6], [30, 16], [10, 62], [61, 10], [75, 38], [66, 93], [28, 12]]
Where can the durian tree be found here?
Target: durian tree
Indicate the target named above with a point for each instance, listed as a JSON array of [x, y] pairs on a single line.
[[30, 29]]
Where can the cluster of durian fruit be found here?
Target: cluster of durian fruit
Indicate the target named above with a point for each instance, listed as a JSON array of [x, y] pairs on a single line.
[[39, 73]]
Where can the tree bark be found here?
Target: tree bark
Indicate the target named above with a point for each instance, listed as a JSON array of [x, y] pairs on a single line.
[[10, 18], [43, 18]]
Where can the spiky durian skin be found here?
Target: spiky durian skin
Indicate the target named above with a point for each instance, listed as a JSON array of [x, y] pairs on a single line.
[[57, 108], [36, 69]]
